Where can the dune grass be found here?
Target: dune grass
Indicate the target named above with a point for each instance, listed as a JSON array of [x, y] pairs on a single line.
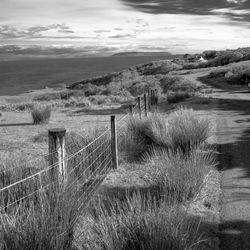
[[141, 224], [172, 149], [178, 177], [41, 114], [31, 217], [181, 130]]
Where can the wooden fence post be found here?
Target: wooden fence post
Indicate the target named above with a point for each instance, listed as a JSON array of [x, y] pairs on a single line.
[[148, 99], [151, 97], [114, 151], [139, 105], [57, 155], [145, 105], [156, 96], [131, 109]]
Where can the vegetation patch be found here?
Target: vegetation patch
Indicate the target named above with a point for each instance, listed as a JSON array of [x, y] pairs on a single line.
[[175, 97], [41, 114], [138, 223], [181, 130]]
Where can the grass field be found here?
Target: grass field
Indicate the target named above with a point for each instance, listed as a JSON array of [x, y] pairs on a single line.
[[162, 168]]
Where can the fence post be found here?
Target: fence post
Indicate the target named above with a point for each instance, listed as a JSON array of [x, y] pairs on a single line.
[[139, 105], [156, 96], [151, 97], [148, 99], [114, 151], [131, 109], [57, 155], [145, 105]]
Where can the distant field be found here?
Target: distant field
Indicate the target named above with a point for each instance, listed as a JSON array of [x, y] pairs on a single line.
[[18, 77]]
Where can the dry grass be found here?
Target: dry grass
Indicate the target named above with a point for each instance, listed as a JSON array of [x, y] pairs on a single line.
[[186, 129], [181, 130], [44, 219], [178, 177], [41, 114], [141, 224]]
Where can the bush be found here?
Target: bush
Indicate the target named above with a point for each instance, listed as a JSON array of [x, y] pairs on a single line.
[[47, 97], [175, 97], [217, 73], [157, 67], [234, 74], [225, 58], [90, 89], [41, 114], [141, 224], [176, 83]]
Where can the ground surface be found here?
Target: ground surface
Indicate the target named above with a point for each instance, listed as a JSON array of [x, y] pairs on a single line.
[[232, 112]]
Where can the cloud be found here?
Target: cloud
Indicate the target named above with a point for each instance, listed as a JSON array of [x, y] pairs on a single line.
[[124, 36], [10, 32], [192, 7], [55, 50], [101, 31]]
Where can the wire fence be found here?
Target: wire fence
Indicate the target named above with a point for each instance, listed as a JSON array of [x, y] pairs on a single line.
[[78, 167]]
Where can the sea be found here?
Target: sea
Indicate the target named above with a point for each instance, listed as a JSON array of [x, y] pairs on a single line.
[[21, 76]]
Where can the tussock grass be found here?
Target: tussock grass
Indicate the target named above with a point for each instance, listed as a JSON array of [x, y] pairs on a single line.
[[41, 114], [44, 219], [178, 177], [181, 130], [187, 129], [138, 223]]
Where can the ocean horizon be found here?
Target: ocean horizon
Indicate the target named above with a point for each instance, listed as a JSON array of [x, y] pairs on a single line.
[[21, 76]]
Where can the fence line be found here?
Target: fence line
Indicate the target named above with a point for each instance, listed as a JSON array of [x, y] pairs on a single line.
[[88, 164]]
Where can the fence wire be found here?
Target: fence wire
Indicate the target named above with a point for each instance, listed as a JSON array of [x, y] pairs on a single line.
[[87, 161]]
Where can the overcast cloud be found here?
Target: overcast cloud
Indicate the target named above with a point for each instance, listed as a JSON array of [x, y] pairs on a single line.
[[71, 27]]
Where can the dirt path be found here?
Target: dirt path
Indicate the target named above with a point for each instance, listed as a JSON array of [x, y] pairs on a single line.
[[233, 134]]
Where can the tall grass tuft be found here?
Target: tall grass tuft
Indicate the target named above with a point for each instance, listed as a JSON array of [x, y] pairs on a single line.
[[141, 224], [32, 217], [41, 114], [187, 129], [178, 177], [181, 130]]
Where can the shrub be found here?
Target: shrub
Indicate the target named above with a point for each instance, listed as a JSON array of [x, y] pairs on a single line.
[[225, 58], [157, 67], [47, 97], [141, 224], [41, 114], [75, 101], [234, 74], [217, 73], [175, 97], [91, 89], [176, 83]]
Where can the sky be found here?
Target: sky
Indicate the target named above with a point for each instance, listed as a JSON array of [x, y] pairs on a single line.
[[75, 28]]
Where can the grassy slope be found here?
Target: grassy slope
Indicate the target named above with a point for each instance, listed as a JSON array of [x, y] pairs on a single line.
[[126, 176]]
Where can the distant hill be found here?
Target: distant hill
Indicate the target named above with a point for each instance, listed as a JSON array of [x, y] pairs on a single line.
[[123, 54]]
